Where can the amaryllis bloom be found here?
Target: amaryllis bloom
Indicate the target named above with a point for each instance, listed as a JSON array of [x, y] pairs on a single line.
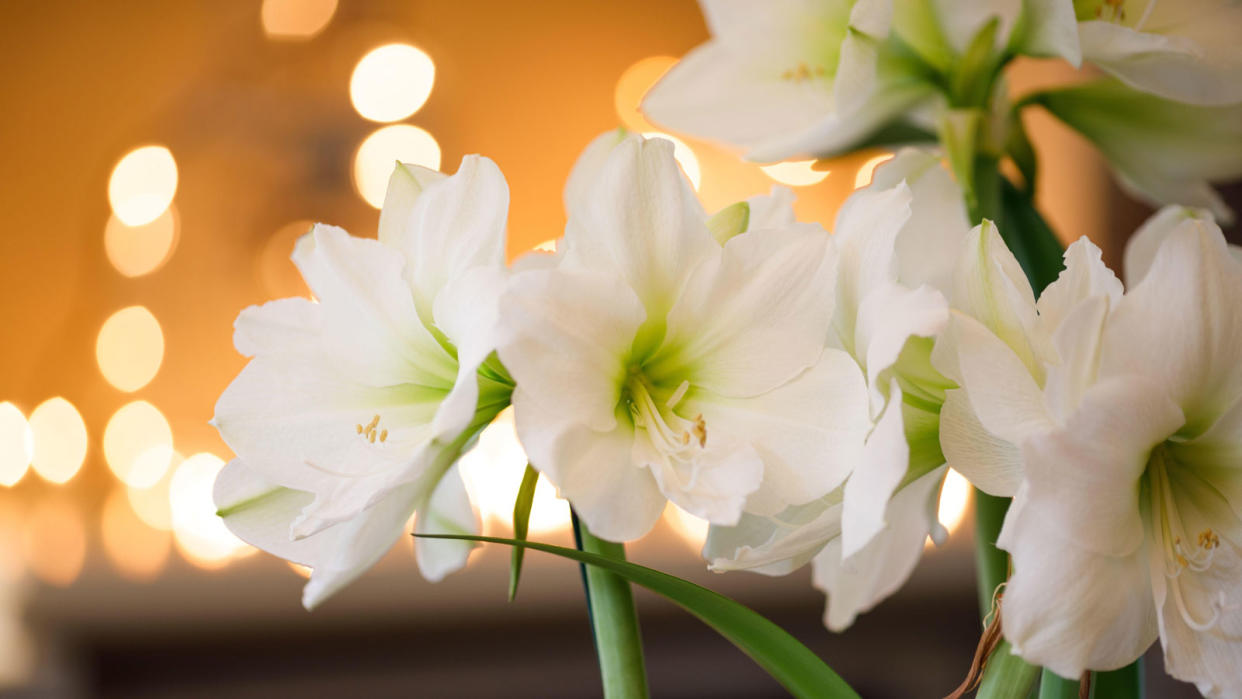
[[355, 406], [898, 243], [1184, 50], [654, 363], [1126, 525]]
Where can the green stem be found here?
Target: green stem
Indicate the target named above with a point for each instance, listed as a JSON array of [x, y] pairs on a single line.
[[991, 563], [614, 621], [1054, 686], [1126, 683], [1007, 676]]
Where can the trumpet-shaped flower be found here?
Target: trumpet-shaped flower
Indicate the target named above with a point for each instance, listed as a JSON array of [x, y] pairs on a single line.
[[1183, 50], [654, 363], [354, 407], [865, 537], [1125, 434]]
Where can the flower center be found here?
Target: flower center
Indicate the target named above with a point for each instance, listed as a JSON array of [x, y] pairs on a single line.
[[372, 430], [1121, 12], [803, 72], [1182, 552], [674, 436]]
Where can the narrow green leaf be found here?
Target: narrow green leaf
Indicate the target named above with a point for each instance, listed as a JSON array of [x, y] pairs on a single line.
[[1054, 686], [971, 79], [1029, 237], [521, 521], [789, 662]]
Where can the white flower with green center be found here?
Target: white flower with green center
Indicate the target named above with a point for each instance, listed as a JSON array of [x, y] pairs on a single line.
[[654, 363], [1121, 422], [354, 407], [1183, 50], [898, 242]]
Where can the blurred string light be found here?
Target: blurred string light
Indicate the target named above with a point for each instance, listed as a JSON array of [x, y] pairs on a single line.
[[546, 246], [493, 473], [137, 551], [379, 153], [59, 440], [684, 156], [138, 444], [795, 173], [138, 250], [691, 529], [54, 541], [142, 185], [200, 534], [296, 19], [391, 82], [633, 84], [150, 504], [954, 501], [130, 348], [865, 172], [16, 444]]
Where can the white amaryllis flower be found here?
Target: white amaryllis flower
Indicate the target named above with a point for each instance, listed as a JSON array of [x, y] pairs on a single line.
[[1126, 525], [818, 77], [1163, 152], [1184, 50], [899, 241], [354, 407], [655, 364]]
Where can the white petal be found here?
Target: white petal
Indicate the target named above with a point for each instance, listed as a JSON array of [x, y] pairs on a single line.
[[1083, 479], [289, 325], [1077, 343], [565, 337], [773, 210], [456, 223], [991, 464], [777, 544], [1051, 30], [885, 460], [1142, 247], [1182, 325], [448, 511], [888, 317], [808, 432], [715, 486], [594, 470], [865, 236], [405, 186], [587, 168], [1084, 276], [467, 311], [857, 583], [1069, 609], [642, 222], [752, 318]]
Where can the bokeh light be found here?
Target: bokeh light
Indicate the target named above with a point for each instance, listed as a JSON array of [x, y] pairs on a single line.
[[862, 178], [130, 348], [633, 84], [954, 499], [137, 551], [54, 541], [59, 440], [391, 82], [690, 529], [138, 444], [142, 185], [379, 153], [138, 250], [796, 173], [150, 504], [546, 246], [493, 473], [685, 157], [296, 19], [16, 444], [200, 534]]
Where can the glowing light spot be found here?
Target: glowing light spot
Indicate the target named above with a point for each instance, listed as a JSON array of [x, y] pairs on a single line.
[[863, 177], [296, 19], [685, 157], [378, 154], [274, 268], [546, 246], [634, 84], [796, 173], [54, 541], [493, 473], [691, 529], [138, 250], [138, 444], [142, 185], [130, 348], [16, 444], [391, 82], [954, 499], [138, 551], [59, 440], [304, 571], [201, 535], [151, 504]]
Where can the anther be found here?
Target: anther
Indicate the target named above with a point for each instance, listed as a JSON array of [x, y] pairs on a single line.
[[384, 435]]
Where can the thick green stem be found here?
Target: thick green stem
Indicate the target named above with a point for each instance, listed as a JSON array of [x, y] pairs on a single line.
[[614, 621], [1054, 686], [1007, 676], [991, 563], [1126, 683]]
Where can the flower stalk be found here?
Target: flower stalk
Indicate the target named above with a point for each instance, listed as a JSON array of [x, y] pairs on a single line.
[[614, 621]]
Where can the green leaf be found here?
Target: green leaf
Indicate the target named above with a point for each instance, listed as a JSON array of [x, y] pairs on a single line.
[[970, 82], [789, 662], [1054, 686], [1029, 237], [521, 520], [729, 222]]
